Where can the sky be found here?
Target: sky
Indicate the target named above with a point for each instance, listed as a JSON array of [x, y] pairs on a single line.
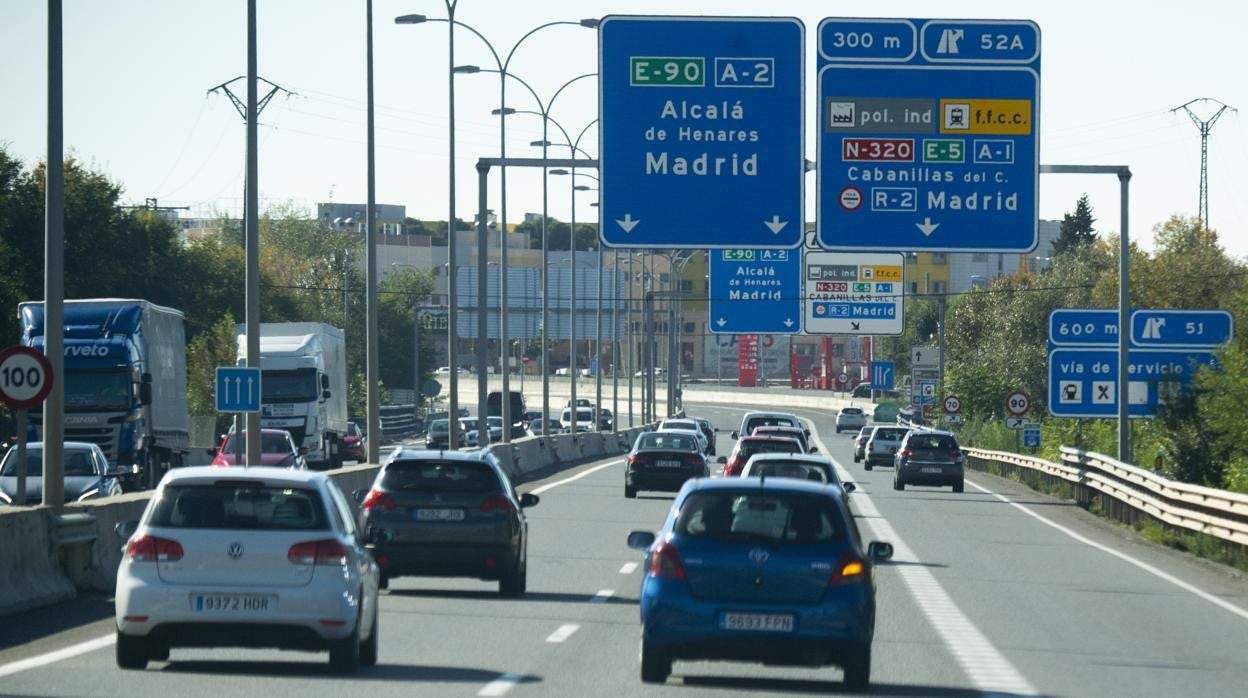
[[138, 72]]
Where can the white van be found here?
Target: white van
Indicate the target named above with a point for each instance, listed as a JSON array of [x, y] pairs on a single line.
[[770, 419], [584, 419]]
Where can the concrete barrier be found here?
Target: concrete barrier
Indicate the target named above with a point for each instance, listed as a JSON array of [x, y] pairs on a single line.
[[31, 574]]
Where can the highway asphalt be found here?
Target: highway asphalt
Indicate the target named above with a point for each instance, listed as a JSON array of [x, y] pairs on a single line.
[[997, 590]]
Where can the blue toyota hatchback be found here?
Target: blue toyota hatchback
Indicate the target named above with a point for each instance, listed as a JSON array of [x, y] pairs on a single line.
[[758, 570]]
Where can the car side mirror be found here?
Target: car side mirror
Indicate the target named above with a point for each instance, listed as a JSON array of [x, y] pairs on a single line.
[[528, 500], [125, 529], [879, 551], [640, 540], [359, 495], [722, 460], [324, 394], [848, 486], [814, 449], [734, 435]]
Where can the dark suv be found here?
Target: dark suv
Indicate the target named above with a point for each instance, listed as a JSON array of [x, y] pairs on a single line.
[[929, 458], [447, 514]]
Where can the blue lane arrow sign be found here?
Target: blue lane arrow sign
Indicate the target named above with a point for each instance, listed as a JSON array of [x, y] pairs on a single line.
[[702, 134], [238, 389], [882, 375], [755, 291]]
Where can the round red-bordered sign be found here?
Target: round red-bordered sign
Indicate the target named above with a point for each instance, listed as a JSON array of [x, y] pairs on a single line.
[[25, 377], [1018, 403]]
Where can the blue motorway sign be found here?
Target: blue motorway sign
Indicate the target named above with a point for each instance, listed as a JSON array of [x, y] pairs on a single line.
[[1150, 328], [882, 375], [1181, 328], [1031, 435], [928, 134], [1083, 382], [853, 293], [238, 389], [755, 291], [702, 131]]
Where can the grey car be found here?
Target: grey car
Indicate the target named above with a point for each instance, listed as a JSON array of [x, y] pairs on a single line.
[[447, 514], [87, 473], [929, 458], [882, 444]]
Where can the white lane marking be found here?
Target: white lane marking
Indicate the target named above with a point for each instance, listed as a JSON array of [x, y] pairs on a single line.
[[983, 664], [563, 632], [628, 568], [501, 685], [1226, 605], [98, 643], [578, 476], [602, 595]]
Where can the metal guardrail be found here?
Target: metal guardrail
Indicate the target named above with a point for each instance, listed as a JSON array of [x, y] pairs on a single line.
[[397, 421], [68, 529], [1218, 513]]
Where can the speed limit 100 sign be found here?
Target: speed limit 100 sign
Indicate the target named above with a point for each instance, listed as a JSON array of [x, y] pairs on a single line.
[[25, 377], [1018, 403]]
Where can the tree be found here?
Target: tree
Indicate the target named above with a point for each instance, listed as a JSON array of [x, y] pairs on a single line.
[[216, 346], [1077, 230]]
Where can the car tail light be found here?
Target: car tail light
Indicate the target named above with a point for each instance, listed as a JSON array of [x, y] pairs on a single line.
[[665, 562], [906, 453], [693, 459], [154, 549], [850, 569], [377, 499], [957, 455], [317, 552], [639, 459], [497, 502]]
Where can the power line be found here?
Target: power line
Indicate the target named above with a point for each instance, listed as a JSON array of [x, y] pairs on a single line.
[[1205, 126]]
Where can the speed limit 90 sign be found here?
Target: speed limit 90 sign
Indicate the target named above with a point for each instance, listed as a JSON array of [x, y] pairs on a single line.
[[1018, 403], [25, 377]]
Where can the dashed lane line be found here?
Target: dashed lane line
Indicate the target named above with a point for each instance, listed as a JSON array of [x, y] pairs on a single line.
[[563, 633], [628, 568], [501, 685], [602, 596]]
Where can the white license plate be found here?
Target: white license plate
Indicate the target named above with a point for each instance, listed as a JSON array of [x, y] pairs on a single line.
[[439, 514], [765, 622], [233, 603], [668, 463], [932, 470]]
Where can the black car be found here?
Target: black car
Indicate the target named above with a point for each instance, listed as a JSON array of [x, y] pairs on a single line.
[[929, 457], [605, 419], [447, 514], [663, 460]]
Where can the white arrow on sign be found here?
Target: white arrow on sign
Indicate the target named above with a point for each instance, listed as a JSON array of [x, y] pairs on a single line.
[[627, 223], [775, 224], [238, 390], [788, 322], [927, 227], [721, 322]]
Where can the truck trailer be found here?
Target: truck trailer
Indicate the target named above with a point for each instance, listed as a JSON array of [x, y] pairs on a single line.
[[303, 385], [125, 382]]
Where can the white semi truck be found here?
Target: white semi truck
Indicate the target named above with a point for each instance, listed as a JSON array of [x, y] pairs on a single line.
[[303, 385]]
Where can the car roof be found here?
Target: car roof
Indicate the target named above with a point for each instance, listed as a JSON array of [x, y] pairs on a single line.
[[792, 457], [770, 413], [67, 444], [767, 437], [206, 474], [704, 484], [408, 453], [932, 432]]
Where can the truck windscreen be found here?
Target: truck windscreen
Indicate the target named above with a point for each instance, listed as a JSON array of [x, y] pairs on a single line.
[[98, 390], [289, 386]]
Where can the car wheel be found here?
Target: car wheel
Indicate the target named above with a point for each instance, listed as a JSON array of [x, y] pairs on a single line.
[[656, 666], [158, 653], [898, 484], [383, 581], [510, 583], [857, 459], [630, 492], [344, 654], [957, 486], [131, 651], [867, 465], [857, 669], [368, 653]]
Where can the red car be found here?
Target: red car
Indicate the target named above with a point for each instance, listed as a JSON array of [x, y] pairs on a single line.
[[747, 446], [354, 445], [277, 448]]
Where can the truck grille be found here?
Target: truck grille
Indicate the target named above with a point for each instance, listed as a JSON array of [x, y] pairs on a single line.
[[105, 438]]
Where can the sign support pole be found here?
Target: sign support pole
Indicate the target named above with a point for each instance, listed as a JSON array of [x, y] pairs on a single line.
[[20, 417]]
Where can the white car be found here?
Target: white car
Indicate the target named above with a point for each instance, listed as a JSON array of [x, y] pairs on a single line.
[[769, 419], [850, 418], [688, 425], [261, 557]]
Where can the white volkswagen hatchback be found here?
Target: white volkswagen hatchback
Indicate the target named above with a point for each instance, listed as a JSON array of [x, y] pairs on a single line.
[[254, 557]]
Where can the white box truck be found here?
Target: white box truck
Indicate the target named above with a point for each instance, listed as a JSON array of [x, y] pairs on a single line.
[[303, 385]]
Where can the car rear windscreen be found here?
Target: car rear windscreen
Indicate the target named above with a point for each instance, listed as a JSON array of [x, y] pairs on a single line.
[[656, 441], [749, 448], [439, 476], [768, 517], [793, 469], [890, 434], [932, 442], [239, 504]]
